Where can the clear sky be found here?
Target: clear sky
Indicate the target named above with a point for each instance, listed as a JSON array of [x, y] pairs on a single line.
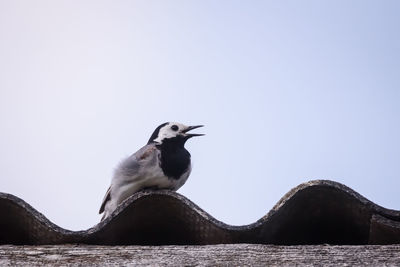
[[289, 91]]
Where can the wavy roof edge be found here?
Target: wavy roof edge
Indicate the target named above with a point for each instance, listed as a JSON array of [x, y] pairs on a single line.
[[315, 212]]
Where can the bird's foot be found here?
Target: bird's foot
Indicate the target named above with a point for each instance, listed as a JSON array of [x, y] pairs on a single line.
[[150, 188]]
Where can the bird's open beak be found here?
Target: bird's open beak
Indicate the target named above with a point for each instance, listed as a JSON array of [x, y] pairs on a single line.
[[189, 128]]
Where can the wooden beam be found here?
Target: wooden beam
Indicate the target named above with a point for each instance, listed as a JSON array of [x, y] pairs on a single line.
[[211, 255]]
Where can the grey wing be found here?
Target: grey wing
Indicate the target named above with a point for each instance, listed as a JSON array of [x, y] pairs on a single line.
[[130, 167], [145, 152], [106, 198]]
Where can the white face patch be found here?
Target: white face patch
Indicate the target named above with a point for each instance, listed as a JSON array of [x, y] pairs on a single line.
[[170, 130]]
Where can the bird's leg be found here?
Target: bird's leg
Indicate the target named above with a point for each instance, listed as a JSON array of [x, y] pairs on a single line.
[[150, 188]]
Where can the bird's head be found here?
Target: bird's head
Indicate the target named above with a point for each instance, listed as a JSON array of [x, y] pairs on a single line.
[[173, 131]]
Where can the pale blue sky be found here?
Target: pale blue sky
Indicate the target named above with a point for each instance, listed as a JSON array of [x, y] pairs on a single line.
[[289, 91]]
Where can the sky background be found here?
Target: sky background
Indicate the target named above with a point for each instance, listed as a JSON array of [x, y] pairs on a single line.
[[289, 91]]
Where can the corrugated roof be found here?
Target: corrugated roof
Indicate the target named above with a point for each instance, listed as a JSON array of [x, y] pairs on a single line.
[[316, 212]]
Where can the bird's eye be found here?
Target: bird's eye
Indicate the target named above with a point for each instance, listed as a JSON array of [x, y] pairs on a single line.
[[174, 128]]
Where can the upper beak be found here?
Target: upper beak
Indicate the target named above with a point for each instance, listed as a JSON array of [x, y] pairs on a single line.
[[189, 128]]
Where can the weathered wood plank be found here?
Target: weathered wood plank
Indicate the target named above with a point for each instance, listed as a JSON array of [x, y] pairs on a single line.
[[228, 255]]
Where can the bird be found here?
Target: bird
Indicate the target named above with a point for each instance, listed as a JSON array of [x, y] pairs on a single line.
[[163, 163]]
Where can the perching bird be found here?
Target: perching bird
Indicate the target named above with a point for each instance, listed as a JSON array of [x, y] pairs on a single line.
[[163, 163]]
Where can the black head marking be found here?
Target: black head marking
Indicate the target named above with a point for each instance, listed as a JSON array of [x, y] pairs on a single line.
[[155, 133]]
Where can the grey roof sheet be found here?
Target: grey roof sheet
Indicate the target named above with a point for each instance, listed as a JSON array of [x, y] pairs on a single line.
[[316, 212]]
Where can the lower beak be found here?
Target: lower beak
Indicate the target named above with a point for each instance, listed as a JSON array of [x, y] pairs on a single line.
[[189, 128]]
